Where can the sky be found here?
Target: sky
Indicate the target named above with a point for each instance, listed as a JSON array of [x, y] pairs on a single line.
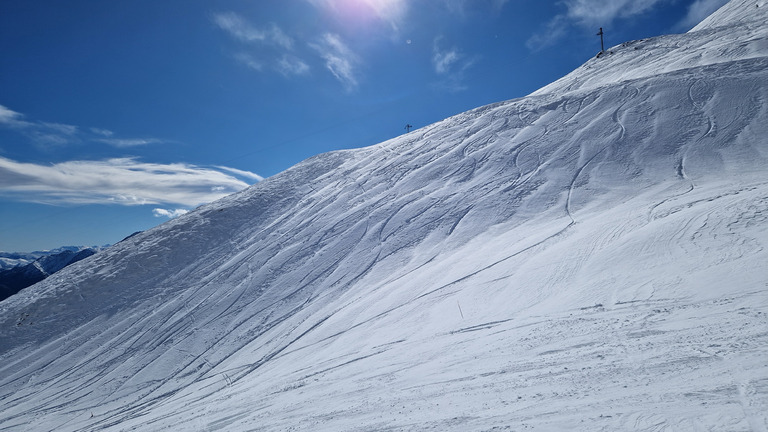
[[116, 116]]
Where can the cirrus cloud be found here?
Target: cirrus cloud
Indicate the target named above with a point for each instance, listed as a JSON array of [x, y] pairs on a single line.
[[47, 134], [10, 118], [339, 59], [242, 30], [450, 64], [593, 13], [130, 142], [589, 14], [123, 181]]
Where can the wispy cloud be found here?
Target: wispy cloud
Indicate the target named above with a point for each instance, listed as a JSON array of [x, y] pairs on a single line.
[[241, 173], [699, 10], [45, 134], [451, 65], [339, 59], [588, 14], [554, 31], [592, 13], [102, 132], [10, 118], [291, 65], [249, 61], [62, 129], [242, 30], [123, 181], [170, 214], [268, 48], [130, 142], [443, 60], [41, 133], [391, 11]]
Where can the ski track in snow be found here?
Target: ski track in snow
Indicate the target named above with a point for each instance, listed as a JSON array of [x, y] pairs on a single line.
[[591, 257]]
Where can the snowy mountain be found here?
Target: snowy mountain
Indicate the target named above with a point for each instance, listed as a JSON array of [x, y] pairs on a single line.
[[14, 259], [9, 260], [590, 257], [16, 278]]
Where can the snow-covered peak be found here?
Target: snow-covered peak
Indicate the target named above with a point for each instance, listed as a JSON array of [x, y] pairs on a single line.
[[736, 13], [737, 31]]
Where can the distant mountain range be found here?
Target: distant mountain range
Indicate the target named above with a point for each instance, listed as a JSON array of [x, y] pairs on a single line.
[[9, 260], [20, 270]]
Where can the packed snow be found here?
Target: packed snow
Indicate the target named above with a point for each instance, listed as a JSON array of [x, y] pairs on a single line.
[[591, 257]]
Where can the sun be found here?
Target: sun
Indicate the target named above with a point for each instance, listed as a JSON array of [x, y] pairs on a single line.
[[364, 12]]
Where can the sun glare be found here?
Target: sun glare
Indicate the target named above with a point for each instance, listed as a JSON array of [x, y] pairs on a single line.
[[364, 11]]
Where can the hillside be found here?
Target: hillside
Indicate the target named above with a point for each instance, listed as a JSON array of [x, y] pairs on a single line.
[[36, 266], [589, 257]]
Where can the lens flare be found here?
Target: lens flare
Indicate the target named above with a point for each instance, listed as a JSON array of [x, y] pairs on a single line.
[[362, 12]]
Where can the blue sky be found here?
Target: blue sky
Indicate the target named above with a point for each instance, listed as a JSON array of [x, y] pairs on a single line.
[[117, 115]]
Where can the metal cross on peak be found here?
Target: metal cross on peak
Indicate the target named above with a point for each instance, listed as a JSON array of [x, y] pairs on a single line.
[[602, 47]]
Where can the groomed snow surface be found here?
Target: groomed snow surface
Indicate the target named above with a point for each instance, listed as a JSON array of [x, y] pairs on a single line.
[[591, 257]]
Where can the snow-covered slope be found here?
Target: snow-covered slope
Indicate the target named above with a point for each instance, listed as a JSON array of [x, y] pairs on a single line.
[[590, 257], [734, 33]]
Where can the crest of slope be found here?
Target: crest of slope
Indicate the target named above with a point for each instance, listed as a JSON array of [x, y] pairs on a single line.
[[589, 257]]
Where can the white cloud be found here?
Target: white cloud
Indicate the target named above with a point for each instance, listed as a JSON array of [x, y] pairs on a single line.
[[451, 64], [339, 59], [124, 181], [63, 129], [130, 142], [277, 36], [102, 132], [249, 61], [241, 173], [11, 118], [590, 14], [699, 10], [444, 60], [170, 214], [57, 134], [290, 65], [8, 115], [596, 13], [276, 46], [242, 30], [41, 133], [391, 11]]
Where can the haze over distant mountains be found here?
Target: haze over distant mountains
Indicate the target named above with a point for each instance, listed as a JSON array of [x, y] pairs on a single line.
[[590, 257], [20, 270], [15, 259]]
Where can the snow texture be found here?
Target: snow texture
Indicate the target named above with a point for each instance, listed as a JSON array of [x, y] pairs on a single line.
[[591, 257]]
